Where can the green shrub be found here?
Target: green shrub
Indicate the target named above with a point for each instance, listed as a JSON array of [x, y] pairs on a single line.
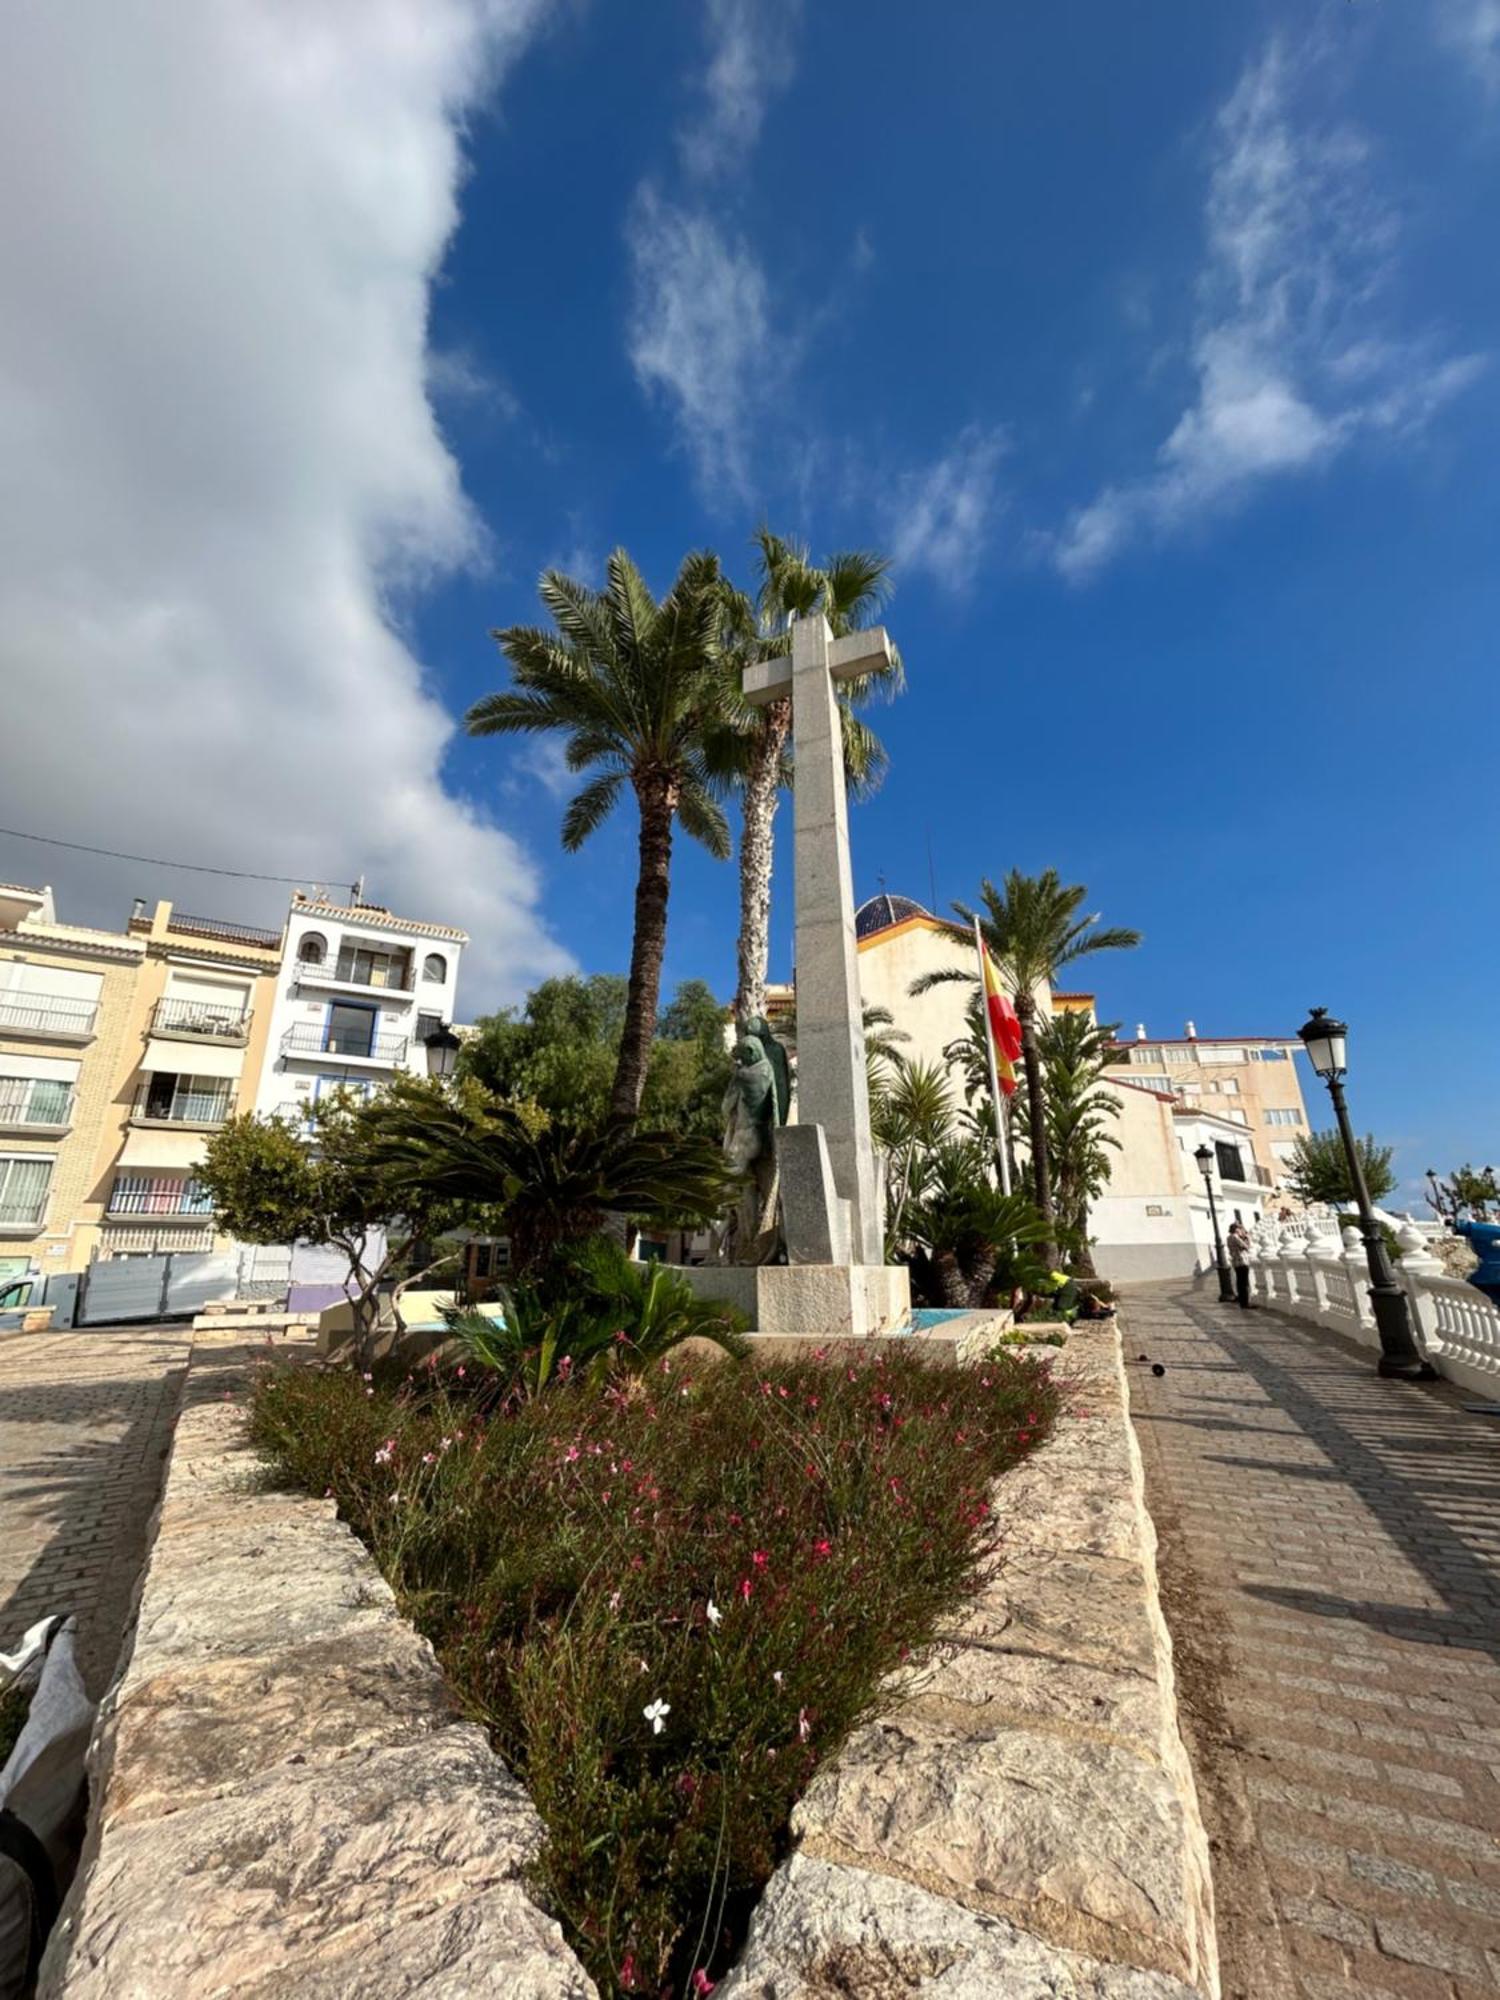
[[597, 1312], [740, 1555]]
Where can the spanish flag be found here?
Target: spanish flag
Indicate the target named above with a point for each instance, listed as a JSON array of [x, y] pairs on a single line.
[[1004, 1025]]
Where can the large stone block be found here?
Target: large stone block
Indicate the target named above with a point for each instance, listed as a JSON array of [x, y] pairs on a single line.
[[828, 1932], [837, 1300], [814, 1221]]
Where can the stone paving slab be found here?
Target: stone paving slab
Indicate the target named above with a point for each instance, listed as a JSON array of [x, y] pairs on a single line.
[[1330, 1555], [85, 1423]]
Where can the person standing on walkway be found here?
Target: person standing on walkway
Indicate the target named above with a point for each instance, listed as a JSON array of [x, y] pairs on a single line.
[[1239, 1257]]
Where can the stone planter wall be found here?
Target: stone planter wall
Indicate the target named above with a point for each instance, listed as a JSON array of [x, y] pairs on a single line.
[[287, 1806], [1027, 1823]]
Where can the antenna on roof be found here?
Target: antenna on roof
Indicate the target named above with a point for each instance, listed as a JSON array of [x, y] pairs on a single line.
[[357, 890]]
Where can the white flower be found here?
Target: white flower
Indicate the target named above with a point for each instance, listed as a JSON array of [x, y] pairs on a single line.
[[777, 1677], [656, 1713], [715, 1615]]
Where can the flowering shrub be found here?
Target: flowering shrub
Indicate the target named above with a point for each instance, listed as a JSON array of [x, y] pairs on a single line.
[[670, 1600]]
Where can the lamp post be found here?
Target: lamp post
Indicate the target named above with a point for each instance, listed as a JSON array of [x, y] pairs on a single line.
[[442, 1047], [1326, 1043], [1204, 1156]]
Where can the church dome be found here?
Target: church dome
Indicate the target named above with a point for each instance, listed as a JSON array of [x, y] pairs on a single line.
[[880, 912]]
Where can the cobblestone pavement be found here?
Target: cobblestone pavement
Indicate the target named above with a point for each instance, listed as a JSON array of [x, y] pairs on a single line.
[[1330, 1556], [85, 1421]]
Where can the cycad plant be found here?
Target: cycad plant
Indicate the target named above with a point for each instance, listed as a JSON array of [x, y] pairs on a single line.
[[975, 1237], [634, 685], [751, 749], [1032, 927]]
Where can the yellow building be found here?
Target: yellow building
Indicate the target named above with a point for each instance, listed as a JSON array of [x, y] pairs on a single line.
[[120, 1051], [67, 998], [1251, 1081]]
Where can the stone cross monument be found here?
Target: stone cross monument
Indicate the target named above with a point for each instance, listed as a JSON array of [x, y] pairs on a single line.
[[830, 1191]]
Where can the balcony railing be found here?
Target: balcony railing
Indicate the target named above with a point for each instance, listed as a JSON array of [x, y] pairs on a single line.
[[200, 1020], [214, 927], [388, 978], [137, 1196], [47, 1014], [355, 1042], [22, 1214], [35, 1106], [180, 1107]]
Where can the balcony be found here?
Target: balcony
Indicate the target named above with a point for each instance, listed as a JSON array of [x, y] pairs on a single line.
[[200, 1021], [35, 1110], [155, 1200], [348, 1044], [360, 974], [179, 1108], [47, 1017], [215, 927]]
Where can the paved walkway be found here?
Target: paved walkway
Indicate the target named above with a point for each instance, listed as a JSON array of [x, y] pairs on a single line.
[[85, 1421], [1330, 1553]]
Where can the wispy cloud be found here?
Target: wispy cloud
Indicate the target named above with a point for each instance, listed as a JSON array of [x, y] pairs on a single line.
[[699, 331], [1471, 28], [1291, 367], [699, 334], [944, 511], [752, 56]]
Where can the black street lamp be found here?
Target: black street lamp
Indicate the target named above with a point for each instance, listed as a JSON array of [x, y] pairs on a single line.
[[1325, 1042], [1204, 1156], [442, 1047]]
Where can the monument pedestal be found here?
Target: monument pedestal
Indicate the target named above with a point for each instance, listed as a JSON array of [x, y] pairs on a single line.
[[815, 1301]]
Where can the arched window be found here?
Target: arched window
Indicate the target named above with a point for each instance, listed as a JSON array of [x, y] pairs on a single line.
[[313, 948], [435, 967]]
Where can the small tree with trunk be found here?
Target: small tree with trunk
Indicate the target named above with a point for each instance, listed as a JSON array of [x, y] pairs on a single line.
[[1473, 1188], [271, 1184]]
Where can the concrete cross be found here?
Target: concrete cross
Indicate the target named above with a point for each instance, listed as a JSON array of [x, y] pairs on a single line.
[[832, 1087]]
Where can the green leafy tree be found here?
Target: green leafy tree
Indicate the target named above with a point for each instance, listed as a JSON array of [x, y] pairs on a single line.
[[1474, 1188], [1032, 926], [270, 1184], [1075, 1053], [1318, 1172], [634, 685], [751, 747]]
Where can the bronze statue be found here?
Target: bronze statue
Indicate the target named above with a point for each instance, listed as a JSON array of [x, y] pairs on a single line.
[[755, 1104]]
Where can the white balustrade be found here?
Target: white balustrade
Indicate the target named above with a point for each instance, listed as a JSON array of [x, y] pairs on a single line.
[[1457, 1327]]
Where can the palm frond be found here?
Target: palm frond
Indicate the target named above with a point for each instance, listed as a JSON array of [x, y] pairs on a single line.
[[588, 809], [703, 820]]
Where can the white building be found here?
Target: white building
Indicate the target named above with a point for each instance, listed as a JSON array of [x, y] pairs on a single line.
[[357, 993]]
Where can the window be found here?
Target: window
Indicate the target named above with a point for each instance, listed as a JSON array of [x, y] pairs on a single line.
[[157, 1194], [373, 965], [1179, 1055], [1267, 1055], [187, 1100], [35, 1100], [1282, 1116], [1231, 1166], [435, 967], [350, 1030], [313, 949], [1229, 1085], [24, 1181]]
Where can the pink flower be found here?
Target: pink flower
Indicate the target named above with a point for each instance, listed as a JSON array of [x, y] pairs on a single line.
[[822, 1548], [743, 1587], [627, 1971], [760, 1558], [570, 1454], [565, 1368], [429, 1458], [701, 1982], [462, 1371]]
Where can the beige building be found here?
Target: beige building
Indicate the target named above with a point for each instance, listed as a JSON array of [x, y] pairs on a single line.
[[67, 998], [1251, 1081]]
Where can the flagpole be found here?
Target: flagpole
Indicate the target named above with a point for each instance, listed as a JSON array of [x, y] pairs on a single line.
[[1002, 1151]]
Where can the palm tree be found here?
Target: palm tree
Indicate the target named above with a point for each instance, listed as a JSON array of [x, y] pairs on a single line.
[[1076, 1051], [1032, 928], [634, 684], [751, 750], [911, 1116]]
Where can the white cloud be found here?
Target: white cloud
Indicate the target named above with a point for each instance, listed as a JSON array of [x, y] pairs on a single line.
[[943, 512], [1289, 370], [751, 58], [699, 335], [1472, 29], [218, 229]]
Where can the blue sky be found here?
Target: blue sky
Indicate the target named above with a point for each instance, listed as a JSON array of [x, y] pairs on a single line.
[[1158, 346]]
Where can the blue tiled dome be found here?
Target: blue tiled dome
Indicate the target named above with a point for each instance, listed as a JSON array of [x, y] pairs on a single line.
[[881, 911]]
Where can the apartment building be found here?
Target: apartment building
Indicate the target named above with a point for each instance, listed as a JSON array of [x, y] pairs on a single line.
[[121, 1053], [1251, 1082], [67, 997], [357, 992]]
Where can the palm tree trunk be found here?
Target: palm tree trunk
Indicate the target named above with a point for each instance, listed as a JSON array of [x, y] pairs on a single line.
[[758, 801], [656, 795], [1036, 1108]]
